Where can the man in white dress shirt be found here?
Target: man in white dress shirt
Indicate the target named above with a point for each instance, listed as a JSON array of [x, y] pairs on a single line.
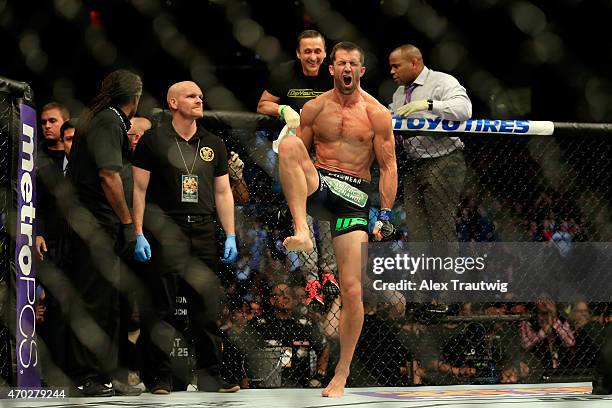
[[436, 170]]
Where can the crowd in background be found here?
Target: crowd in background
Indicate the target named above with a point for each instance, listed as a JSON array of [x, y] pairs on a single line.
[[265, 320], [412, 345], [271, 338]]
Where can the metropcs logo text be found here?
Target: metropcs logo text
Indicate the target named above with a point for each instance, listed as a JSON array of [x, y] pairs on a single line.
[[27, 315]]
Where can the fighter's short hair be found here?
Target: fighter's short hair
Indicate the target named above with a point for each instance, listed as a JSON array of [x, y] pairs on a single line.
[[347, 46]]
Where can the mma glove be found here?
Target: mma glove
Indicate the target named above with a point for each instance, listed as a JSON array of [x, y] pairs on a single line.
[[411, 107], [383, 229], [127, 241], [236, 165], [142, 252], [230, 251], [291, 117]]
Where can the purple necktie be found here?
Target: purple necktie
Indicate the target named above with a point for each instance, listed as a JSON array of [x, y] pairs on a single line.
[[408, 90]]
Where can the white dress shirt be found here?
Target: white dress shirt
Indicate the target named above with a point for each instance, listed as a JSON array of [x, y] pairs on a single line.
[[450, 101]]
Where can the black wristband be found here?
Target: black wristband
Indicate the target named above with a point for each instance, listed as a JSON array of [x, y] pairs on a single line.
[[429, 104]]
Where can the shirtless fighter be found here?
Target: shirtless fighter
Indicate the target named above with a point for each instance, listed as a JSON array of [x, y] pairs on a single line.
[[349, 129]]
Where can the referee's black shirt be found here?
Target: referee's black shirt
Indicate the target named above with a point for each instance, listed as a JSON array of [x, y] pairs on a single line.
[[157, 152], [104, 146]]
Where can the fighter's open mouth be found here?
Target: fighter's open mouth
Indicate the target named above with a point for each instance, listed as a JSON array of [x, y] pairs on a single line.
[[347, 80]]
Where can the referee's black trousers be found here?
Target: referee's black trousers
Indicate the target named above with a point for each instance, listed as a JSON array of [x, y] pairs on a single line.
[[94, 269], [184, 260]]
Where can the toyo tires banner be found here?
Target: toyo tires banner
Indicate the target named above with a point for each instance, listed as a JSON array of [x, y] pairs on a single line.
[[521, 127]]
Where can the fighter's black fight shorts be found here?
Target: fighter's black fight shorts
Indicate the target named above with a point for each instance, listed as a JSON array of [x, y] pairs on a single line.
[[342, 200]]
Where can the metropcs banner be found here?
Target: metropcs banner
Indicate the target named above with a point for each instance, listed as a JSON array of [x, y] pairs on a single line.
[[28, 374], [523, 127]]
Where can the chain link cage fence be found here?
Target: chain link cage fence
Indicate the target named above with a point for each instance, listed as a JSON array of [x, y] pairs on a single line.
[[516, 188], [5, 248], [504, 188], [520, 189]]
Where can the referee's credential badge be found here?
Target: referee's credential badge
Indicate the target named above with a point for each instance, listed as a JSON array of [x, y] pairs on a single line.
[[189, 188], [207, 154]]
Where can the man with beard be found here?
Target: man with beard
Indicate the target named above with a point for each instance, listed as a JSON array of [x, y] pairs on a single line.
[[349, 129], [436, 170]]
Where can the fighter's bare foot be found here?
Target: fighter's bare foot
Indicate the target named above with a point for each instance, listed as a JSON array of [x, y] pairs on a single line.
[[298, 242], [335, 388]]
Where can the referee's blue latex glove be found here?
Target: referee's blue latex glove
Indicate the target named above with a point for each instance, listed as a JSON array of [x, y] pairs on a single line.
[[142, 253], [230, 252]]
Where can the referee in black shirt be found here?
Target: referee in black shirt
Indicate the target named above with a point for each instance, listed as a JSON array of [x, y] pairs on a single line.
[[101, 229], [181, 172]]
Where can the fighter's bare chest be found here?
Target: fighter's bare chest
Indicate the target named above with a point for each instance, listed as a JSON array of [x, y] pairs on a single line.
[[344, 123]]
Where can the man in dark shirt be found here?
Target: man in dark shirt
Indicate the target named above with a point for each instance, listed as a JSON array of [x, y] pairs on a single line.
[[50, 178], [50, 174], [290, 86], [182, 170], [102, 229], [67, 134], [296, 82]]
